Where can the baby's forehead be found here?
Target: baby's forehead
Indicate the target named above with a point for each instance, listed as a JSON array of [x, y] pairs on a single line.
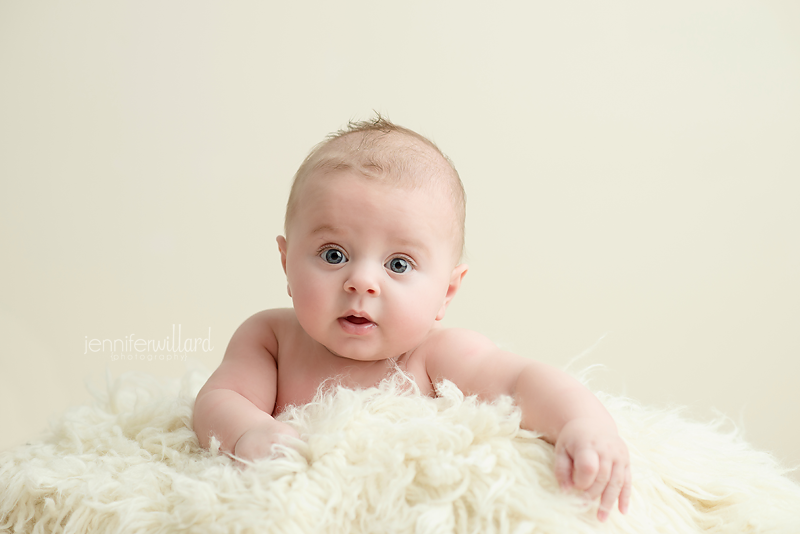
[[323, 200], [412, 215], [324, 181]]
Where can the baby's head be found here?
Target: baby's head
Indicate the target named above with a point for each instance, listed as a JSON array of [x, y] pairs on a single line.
[[374, 234], [389, 154]]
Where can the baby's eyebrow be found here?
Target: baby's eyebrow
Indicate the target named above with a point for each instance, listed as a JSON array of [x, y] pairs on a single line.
[[414, 246], [325, 228]]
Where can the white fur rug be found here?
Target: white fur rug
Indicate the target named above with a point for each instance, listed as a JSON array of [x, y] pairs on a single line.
[[374, 461]]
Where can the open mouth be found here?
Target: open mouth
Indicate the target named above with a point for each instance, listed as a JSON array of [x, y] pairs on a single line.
[[357, 325], [356, 319]]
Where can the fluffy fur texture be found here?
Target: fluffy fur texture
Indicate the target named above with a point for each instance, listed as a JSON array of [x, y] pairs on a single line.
[[376, 460]]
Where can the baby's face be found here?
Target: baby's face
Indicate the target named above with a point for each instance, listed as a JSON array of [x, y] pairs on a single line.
[[370, 266]]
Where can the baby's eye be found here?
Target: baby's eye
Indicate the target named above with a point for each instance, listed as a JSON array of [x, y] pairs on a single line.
[[333, 256], [397, 265]]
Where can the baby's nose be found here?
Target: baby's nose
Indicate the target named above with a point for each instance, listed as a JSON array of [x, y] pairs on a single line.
[[363, 281]]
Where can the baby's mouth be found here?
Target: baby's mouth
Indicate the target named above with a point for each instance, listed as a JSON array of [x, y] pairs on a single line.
[[356, 319], [357, 325]]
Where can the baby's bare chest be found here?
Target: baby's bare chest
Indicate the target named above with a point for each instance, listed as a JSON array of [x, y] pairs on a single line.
[[301, 373]]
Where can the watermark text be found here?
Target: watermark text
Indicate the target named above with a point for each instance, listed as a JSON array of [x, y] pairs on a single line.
[[170, 348]]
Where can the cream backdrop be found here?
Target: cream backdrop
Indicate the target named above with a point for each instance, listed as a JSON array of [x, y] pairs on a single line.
[[632, 168]]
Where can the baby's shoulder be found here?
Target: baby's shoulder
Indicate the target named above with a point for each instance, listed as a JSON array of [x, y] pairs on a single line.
[[453, 343], [268, 326], [453, 353], [274, 316]]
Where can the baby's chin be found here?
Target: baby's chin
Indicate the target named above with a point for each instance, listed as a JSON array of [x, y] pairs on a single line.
[[360, 357]]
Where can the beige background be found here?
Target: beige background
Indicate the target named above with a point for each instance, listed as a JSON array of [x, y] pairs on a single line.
[[632, 168]]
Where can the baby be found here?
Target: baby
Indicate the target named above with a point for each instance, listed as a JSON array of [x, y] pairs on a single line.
[[374, 236]]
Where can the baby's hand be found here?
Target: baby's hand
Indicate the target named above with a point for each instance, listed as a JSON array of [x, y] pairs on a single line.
[[593, 458], [257, 442]]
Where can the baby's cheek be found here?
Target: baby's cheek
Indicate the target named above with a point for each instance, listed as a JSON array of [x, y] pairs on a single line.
[[309, 306], [418, 317]]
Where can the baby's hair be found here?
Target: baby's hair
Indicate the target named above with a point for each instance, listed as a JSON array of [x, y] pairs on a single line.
[[381, 150]]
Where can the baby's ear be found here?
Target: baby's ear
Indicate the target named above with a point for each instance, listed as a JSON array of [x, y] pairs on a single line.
[[282, 248], [455, 283]]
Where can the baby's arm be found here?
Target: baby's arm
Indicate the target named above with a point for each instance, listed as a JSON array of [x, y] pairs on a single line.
[[590, 455], [236, 403]]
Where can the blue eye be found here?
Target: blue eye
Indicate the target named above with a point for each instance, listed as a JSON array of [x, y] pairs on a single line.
[[398, 265], [333, 256]]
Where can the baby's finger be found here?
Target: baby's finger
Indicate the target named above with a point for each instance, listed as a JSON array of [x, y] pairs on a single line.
[[625, 494], [612, 491], [586, 467], [602, 476], [563, 469]]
